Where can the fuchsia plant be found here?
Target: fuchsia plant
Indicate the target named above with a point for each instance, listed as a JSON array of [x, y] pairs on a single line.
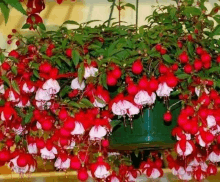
[[62, 92]]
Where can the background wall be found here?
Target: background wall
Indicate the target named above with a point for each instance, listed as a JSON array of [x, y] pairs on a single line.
[[80, 11]]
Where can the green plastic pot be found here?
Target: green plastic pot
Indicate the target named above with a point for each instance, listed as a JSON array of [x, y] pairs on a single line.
[[149, 129]]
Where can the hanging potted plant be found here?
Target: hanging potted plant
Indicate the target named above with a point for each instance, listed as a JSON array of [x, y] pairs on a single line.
[[66, 93]]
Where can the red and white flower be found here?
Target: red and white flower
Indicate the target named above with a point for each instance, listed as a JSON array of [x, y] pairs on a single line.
[[52, 86], [18, 129], [100, 169], [198, 90], [97, 132], [22, 163], [12, 95], [184, 147], [62, 162], [124, 107], [28, 87], [99, 104], [163, 90], [143, 98], [79, 129], [214, 156], [48, 152]]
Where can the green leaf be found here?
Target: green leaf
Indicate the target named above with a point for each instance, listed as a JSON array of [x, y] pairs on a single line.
[[114, 123], [26, 26], [15, 86], [183, 76], [17, 138], [81, 72], [75, 57], [190, 48], [130, 5], [13, 59], [104, 80], [86, 102], [173, 12], [14, 70], [36, 73], [64, 42], [70, 22], [28, 117], [192, 10], [64, 91], [16, 4], [2, 57], [42, 26], [5, 10], [176, 92], [2, 102], [79, 38], [6, 80], [167, 58], [217, 18], [216, 31], [91, 21], [100, 100], [214, 69], [66, 60], [74, 104], [34, 65]]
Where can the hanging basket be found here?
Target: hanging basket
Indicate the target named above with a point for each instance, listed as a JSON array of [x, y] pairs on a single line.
[[149, 130]]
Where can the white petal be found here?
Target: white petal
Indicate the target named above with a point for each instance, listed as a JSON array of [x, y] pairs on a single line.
[[2, 89], [119, 109], [133, 110], [57, 163], [186, 176], [189, 149], [101, 172], [114, 179], [90, 71], [54, 150], [32, 148], [201, 142], [76, 85], [179, 150], [79, 129], [52, 86], [142, 98], [211, 121], [163, 90], [66, 164], [97, 132], [213, 157], [42, 95], [155, 173], [38, 125]]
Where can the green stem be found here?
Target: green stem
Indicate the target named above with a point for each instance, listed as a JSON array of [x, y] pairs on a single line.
[[110, 16], [174, 104], [137, 2]]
